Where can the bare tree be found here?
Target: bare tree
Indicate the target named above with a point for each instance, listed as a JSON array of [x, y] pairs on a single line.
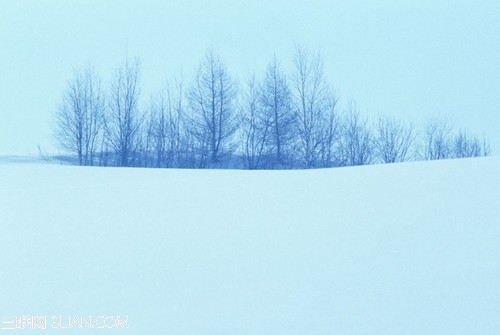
[[330, 145], [147, 140], [123, 123], [256, 126], [167, 130], [79, 118], [277, 106], [356, 143], [437, 143], [393, 140], [213, 117], [313, 103]]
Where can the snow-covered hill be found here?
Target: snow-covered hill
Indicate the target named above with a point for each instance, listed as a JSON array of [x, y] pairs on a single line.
[[390, 249]]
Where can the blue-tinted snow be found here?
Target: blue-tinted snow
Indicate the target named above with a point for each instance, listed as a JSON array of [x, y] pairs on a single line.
[[389, 249]]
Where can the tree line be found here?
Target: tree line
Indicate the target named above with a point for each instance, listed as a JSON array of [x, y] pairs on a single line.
[[276, 120]]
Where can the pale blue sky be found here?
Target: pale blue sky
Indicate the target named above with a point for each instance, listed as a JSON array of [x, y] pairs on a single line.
[[412, 59]]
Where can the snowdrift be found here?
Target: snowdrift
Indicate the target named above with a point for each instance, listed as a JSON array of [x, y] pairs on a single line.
[[390, 249]]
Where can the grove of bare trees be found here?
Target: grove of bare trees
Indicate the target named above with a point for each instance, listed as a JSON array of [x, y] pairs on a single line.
[[277, 120]]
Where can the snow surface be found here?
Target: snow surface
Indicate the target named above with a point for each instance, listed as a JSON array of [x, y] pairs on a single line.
[[408, 248]]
